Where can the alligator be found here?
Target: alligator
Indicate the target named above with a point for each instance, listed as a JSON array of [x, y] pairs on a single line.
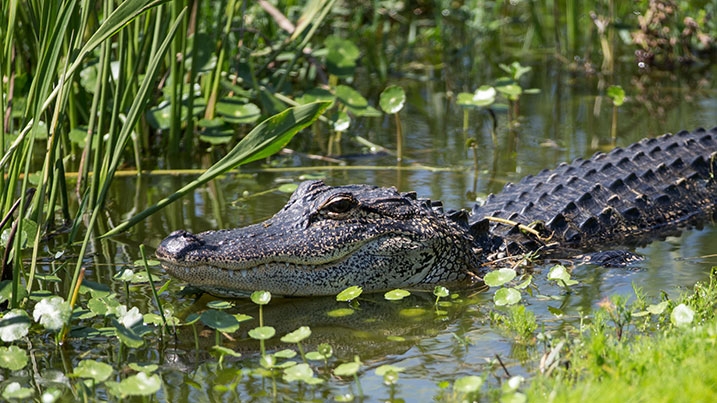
[[328, 238]]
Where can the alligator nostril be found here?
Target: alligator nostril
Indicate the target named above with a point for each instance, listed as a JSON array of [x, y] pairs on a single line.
[[178, 244]]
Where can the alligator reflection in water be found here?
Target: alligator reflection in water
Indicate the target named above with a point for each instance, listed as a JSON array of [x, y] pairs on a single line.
[[328, 238], [372, 328]]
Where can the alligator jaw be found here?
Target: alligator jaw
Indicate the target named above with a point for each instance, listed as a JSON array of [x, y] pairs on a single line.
[[181, 254], [324, 240]]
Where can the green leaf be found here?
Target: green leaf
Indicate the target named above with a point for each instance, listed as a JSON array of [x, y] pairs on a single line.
[[127, 336], [220, 321], [381, 370], [301, 372], [14, 390], [467, 384], [14, 325], [560, 274], [52, 312], [355, 102], [499, 277], [340, 312], [349, 294], [506, 296], [348, 368], [682, 315], [265, 139], [261, 297], [262, 333], [226, 351], [238, 110], [392, 99], [396, 295], [617, 94], [341, 57], [13, 358], [139, 384], [657, 309], [95, 370], [297, 335], [440, 291]]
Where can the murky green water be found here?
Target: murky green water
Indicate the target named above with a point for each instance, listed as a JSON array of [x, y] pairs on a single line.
[[566, 120]]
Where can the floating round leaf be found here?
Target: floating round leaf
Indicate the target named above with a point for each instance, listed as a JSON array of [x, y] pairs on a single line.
[[297, 335], [392, 99], [499, 277], [13, 358], [506, 296], [262, 333]]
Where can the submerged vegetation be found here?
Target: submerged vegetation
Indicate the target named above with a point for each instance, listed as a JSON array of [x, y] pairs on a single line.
[[92, 90]]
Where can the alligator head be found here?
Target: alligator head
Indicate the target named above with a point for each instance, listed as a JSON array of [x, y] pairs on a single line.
[[326, 239]]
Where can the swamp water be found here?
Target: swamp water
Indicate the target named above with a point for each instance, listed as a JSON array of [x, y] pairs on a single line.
[[564, 121]]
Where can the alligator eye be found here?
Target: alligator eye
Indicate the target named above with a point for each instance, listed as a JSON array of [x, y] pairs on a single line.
[[339, 204]]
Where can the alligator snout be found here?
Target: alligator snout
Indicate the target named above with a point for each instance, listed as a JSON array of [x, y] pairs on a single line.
[[176, 246]]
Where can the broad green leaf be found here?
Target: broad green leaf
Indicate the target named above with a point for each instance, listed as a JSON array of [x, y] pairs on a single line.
[[139, 384], [354, 101], [341, 57], [617, 94], [560, 274], [348, 368], [392, 99], [297, 335], [14, 325], [220, 320], [95, 370], [13, 358], [349, 294], [127, 336], [340, 312], [262, 333], [286, 354], [467, 384], [499, 277], [682, 315], [440, 291], [396, 295], [265, 139], [506, 296], [657, 309], [14, 390], [261, 297], [52, 313], [226, 351], [301, 372], [237, 110]]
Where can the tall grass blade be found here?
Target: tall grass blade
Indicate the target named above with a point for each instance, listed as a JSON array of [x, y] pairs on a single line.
[[264, 140]]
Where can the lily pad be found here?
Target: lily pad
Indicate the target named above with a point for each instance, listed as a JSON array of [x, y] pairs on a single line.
[[392, 99], [467, 384], [261, 297], [617, 94], [220, 321], [396, 295], [139, 384], [499, 277], [238, 110], [95, 370], [349, 294], [262, 333], [440, 291], [13, 358], [297, 335], [506, 296]]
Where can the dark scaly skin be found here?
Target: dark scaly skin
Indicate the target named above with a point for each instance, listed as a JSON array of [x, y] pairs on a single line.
[[327, 238]]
